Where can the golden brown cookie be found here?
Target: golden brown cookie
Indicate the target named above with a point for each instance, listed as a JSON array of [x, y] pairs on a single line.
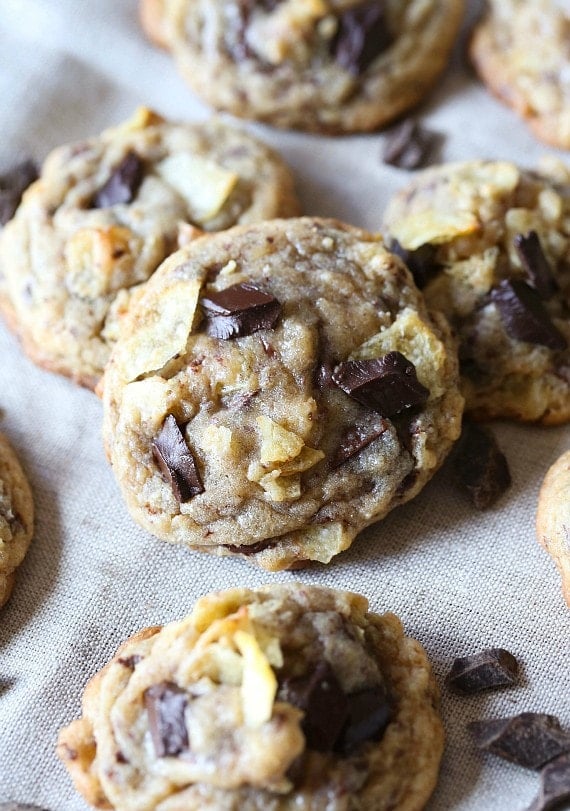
[[16, 517], [553, 518]]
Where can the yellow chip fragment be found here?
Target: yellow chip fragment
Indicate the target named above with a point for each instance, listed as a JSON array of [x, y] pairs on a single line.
[[259, 684], [142, 117], [435, 227], [277, 443], [204, 184]]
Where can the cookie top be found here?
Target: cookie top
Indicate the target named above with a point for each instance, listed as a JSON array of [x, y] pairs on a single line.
[[288, 697], [490, 245], [106, 212], [520, 50], [321, 65], [276, 389], [553, 518], [16, 517]]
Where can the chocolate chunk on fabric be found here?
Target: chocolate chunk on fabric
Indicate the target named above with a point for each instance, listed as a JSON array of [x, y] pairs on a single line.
[[409, 145], [123, 184], [13, 184], [524, 316], [239, 310], [362, 35], [356, 439], [369, 713], [421, 262], [555, 785], [529, 739], [175, 461], [481, 467], [165, 704], [491, 668], [387, 385], [535, 264], [326, 708]]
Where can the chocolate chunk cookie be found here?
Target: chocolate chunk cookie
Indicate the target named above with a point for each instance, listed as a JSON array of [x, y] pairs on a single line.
[[16, 517], [553, 518], [276, 389], [489, 243], [104, 215], [288, 697], [321, 65], [520, 50]]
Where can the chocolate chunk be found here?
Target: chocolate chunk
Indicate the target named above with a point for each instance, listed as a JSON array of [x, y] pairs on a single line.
[[481, 466], [250, 549], [13, 184], [165, 704], [130, 662], [362, 35], [487, 670], [555, 784], [356, 440], [241, 309], [420, 262], [535, 263], [176, 463], [529, 739], [368, 716], [123, 185], [409, 145], [524, 316], [326, 708], [387, 385]]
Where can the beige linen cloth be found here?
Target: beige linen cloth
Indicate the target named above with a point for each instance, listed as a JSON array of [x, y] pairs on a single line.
[[460, 580]]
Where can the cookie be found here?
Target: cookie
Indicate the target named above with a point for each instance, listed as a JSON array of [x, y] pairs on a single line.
[[520, 50], [276, 389], [107, 211], [489, 243], [327, 66], [16, 517], [287, 697], [553, 518]]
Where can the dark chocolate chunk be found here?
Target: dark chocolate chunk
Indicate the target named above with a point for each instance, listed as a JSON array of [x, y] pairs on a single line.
[[176, 463], [487, 670], [409, 145], [13, 184], [481, 466], [123, 185], [241, 309], [250, 549], [420, 262], [362, 35], [530, 739], [387, 385], [368, 716], [535, 263], [320, 696], [130, 662], [356, 440], [524, 316], [165, 704], [555, 784]]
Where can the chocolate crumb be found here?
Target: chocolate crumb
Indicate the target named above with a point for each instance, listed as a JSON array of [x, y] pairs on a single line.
[[555, 784], [13, 184], [175, 461], [481, 466], [421, 262], [535, 263], [487, 670], [524, 316], [239, 310], [362, 35], [529, 739], [165, 704], [123, 184], [410, 145]]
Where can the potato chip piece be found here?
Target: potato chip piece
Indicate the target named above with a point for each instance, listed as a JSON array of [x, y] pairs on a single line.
[[277, 443], [433, 226], [204, 184], [259, 684], [216, 606]]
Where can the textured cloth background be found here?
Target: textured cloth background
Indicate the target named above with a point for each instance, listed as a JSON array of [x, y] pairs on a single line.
[[460, 580]]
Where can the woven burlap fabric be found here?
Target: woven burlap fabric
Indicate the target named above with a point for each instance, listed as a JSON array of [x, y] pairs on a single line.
[[460, 580]]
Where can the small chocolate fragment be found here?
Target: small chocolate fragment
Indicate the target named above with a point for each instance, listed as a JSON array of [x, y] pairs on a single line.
[[409, 145], [535, 263], [356, 440], [326, 707], [421, 262], [368, 716], [530, 739], [555, 784], [123, 185], [362, 35], [487, 670], [176, 463], [165, 704], [251, 548], [130, 662], [13, 184], [241, 309], [387, 385], [524, 316], [481, 466]]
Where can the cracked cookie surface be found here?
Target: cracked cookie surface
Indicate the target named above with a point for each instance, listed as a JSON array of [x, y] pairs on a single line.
[[16, 517], [287, 697], [321, 65], [107, 211], [490, 245], [276, 389], [553, 518]]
